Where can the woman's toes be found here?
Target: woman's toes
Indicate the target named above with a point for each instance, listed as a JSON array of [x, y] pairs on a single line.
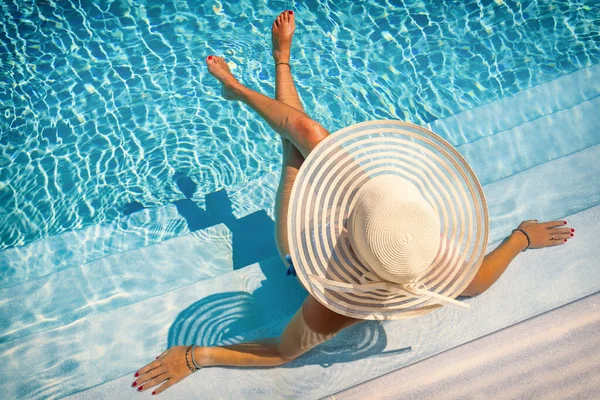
[[210, 59]]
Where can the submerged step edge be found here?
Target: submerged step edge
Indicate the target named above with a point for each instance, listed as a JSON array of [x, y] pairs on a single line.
[[77, 247]]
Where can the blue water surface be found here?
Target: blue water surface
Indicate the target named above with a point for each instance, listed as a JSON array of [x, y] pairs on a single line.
[[102, 103]]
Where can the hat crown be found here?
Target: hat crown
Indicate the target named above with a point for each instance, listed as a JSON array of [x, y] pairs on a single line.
[[393, 230]]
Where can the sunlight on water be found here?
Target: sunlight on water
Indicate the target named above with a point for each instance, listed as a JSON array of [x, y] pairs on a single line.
[[102, 104], [108, 104]]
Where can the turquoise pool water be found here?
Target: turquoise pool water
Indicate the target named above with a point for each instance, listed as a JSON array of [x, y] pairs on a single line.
[[102, 104], [105, 105]]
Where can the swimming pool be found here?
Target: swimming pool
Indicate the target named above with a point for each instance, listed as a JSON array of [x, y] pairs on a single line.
[[104, 106]]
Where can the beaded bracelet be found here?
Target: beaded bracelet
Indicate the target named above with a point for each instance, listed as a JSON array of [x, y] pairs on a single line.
[[526, 235], [283, 64], [186, 359]]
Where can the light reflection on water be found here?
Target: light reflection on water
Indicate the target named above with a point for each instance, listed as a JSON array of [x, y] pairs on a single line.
[[59, 299], [103, 104]]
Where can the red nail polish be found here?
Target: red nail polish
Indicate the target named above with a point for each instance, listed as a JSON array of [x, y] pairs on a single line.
[[565, 240], [571, 234], [153, 393], [572, 230], [137, 374], [134, 384], [140, 388], [210, 57], [290, 12], [156, 358], [565, 222]]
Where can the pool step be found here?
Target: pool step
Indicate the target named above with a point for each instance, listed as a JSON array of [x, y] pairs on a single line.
[[115, 281], [535, 142], [208, 311], [532, 127], [536, 279], [525, 106], [128, 277], [78, 247], [122, 263], [141, 229], [555, 355], [244, 300]]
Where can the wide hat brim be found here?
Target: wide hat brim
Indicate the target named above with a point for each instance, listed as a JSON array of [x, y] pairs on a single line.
[[323, 196]]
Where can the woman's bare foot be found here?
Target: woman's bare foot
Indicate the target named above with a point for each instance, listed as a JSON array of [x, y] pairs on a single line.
[[282, 32], [219, 69]]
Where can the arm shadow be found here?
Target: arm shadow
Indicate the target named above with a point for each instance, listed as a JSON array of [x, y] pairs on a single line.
[[233, 317], [228, 317]]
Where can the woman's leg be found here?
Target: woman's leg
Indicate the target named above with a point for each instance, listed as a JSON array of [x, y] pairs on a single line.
[[285, 91], [287, 121], [282, 32], [285, 115]]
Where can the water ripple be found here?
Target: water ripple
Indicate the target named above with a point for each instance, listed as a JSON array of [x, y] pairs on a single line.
[[100, 104]]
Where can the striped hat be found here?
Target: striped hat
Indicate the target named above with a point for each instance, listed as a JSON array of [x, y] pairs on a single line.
[[386, 221]]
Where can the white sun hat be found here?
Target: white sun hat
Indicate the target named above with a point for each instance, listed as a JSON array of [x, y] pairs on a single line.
[[386, 221]]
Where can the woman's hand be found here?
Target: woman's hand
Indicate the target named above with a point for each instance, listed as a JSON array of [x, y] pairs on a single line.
[[545, 234], [169, 368]]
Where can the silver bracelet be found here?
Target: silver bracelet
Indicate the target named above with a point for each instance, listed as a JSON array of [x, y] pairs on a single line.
[[194, 361], [526, 235]]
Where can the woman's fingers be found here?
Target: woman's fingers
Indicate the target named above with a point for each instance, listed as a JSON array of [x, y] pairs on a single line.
[[559, 236], [170, 382], [561, 233], [556, 242], [157, 380], [144, 378], [152, 365], [147, 368], [554, 224]]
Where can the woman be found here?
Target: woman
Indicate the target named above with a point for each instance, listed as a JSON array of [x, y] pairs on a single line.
[[314, 322]]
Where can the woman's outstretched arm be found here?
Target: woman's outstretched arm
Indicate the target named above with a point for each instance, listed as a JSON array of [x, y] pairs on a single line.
[[297, 338], [174, 364], [172, 367], [496, 262]]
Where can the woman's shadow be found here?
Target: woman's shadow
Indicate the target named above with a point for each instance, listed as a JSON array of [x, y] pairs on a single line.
[[253, 238], [233, 317]]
